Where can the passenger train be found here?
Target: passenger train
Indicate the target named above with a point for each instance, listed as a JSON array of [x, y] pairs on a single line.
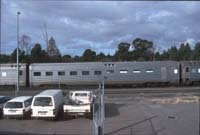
[[92, 73]]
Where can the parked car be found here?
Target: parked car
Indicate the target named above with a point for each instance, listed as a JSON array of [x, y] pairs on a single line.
[[48, 104], [18, 107], [3, 100], [79, 104]]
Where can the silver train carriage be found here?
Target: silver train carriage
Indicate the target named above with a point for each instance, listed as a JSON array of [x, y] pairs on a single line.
[[8, 74], [190, 72], [112, 72]]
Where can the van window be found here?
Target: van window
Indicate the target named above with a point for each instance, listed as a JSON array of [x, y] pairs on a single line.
[[14, 105], [43, 101], [28, 102]]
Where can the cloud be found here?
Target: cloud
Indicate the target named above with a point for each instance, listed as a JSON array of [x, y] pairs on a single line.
[[100, 25]]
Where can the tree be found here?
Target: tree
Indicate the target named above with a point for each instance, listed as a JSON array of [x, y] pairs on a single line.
[[100, 57], [143, 49], [164, 55], [185, 52], [22, 56], [122, 53], [66, 58], [37, 55], [89, 55], [25, 44], [196, 52], [4, 58], [173, 53]]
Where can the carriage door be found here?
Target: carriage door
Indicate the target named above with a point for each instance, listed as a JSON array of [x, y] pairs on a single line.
[[163, 73]]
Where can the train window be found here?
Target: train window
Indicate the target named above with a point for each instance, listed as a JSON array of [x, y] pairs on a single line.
[[73, 73], [85, 72], [20, 72], [194, 70], [36, 73], [199, 70], [97, 72], [110, 71], [61, 73], [3, 74], [136, 71], [187, 69], [149, 71], [123, 71], [49, 73], [175, 71]]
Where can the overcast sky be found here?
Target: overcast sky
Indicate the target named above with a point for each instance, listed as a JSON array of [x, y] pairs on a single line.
[[100, 26]]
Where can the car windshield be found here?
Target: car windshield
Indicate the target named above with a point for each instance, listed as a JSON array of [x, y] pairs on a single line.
[[14, 105], [43, 101]]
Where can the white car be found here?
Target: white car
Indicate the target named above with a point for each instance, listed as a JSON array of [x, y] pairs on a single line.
[[18, 107], [3, 100], [47, 104], [79, 104]]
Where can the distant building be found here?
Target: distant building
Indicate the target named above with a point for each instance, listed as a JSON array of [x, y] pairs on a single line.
[[52, 49]]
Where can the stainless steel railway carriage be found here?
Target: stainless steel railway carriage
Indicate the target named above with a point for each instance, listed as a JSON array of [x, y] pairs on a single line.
[[190, 72], [89, 73], [65, 73], [8, 74]]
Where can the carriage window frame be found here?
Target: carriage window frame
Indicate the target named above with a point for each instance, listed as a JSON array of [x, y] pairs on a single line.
[[136, 71], [3, 74], [49, 73], [85, 72], [199, 70], [61, 73], [123, 71], [110, 71], [149, 71], [187, 70], [97, 72], [36, 73], [175, 71], [20, 72], [73, 73]]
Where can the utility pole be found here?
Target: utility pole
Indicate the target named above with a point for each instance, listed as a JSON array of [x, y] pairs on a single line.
[[17, 91]]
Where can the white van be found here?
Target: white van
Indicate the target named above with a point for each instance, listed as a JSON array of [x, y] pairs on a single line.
[[47, 104], [18, 107]]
